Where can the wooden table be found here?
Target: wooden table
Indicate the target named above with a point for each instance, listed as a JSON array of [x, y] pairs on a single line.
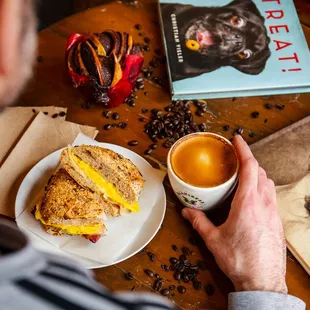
[[50, 87]]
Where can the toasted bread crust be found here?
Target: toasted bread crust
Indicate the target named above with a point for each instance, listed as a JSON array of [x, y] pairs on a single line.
[[66, 203], [112, 166]]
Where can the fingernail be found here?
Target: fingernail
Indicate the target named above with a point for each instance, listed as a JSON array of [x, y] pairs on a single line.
[[185, 213]]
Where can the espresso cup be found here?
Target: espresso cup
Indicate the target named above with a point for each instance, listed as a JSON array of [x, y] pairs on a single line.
[[209, 158]]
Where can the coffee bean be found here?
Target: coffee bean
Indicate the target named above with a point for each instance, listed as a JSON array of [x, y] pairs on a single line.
[[202, 127], [149, 272], [265, 121], [55, 115], [251, 135], [34, 111], [62, 114], [138, 26], [173, 260], [194, 267], [147, 74], [268, 106], [202, 265], [181, 268], [280, 106], [140, 34], [199, 113], [196, 103], [158, 284], [115, 116], [139, 79], [148, 152], [146, 48], [129, 276], [153, 146], [142, 119], [157, 276], [197, 285], [255, 114], [192, 240], [106, 114], [151, 256], [107, 126], [45, 113], [239, 131], [234, 99], [165, 292], [210, 289], [122, 125], [182, 258], [40, 59], [226, 128], [147, 40], [171, 287], [163, 266], [133, 143], [178, 275], [140, 86], [146, 93], [181, 289], [186, 250], [144, 110]]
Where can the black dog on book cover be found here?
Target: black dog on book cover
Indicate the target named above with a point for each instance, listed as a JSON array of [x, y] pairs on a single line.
[[203, 39]]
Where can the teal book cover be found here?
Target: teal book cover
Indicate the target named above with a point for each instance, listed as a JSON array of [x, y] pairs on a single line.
[[224, 48]]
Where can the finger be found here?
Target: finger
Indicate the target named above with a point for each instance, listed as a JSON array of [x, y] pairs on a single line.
[[262, 180], [248, 172], [201, 224]]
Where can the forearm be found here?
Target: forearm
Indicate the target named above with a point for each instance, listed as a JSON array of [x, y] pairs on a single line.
[[259, 300]]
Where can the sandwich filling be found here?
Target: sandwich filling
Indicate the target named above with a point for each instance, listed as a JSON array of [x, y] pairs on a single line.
[[71, 230], [106, 187]]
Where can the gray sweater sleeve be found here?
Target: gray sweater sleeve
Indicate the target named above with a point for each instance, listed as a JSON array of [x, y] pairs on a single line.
[[256, 300]]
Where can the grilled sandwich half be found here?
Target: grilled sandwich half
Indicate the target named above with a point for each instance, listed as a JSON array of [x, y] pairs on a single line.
[[107, 173], [68, 208]]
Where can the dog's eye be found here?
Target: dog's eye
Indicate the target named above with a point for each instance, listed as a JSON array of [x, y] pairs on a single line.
[[245, 54], [237, 21]]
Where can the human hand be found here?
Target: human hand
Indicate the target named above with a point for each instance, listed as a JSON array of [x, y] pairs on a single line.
[[250, 246]]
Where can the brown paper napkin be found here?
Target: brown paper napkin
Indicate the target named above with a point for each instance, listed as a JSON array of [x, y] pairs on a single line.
[[285, 156], [13, 123], [44, 136]]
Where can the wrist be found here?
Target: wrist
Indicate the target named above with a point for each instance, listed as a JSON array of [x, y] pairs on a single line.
[[276, 286]]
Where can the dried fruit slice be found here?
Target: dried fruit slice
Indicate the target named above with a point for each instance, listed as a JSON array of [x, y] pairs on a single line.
[[96, 44], [130, 45], [72, 65], [118, 43], [107, 39], [91, 61], [79, 61], [107, 65], [117, 73]]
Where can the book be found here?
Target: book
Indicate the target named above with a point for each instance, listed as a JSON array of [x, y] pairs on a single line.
[[225, 48]]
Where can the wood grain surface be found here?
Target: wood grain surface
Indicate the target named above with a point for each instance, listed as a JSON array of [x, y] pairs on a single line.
[[50, 86]]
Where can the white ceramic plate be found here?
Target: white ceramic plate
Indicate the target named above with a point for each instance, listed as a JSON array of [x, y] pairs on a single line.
[[126, 235]]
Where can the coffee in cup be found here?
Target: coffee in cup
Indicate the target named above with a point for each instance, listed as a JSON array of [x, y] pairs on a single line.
[[203, 169]]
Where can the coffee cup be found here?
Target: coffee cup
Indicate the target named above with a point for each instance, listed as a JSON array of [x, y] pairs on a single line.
[[203, 170]]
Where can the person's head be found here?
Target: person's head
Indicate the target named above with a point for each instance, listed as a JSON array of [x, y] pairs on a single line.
[[17, 47]]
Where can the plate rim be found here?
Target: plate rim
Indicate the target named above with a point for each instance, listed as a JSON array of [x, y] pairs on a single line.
[[100, 265]]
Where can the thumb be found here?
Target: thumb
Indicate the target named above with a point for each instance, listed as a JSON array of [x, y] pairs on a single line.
[[201, 224]]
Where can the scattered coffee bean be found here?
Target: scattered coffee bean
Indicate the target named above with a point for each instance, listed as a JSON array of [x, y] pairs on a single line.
[[34, 111], [163, 266], [140, 34], [146, 48], [182, 258], [144, 110], [199, 113], [165, 292], [129, 276], [174, 248], [140, 86], [148, 152], [149, 272], [122, 125], [268, 106], [151, 256], [132, 104], [173, 260], [147, 40], [62, 114], [185, 250], [280, 106], [171, 287], [226, 128], [158, 284], [255, 114], [210, 289], [45, 113], [157, 276], [239, 131], [181, 289], [106, 114], [138, 26], [153, 146], [147, 73], [133, 288], [202, 127], [197, 285], [192, 240], [251, 135], [178, 275], [142, 119], [140, 79], [107, 126], [266, 120], [40, 59], [146, 93], [234, 99], [55, 115], [133, 143], [115, 116]]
